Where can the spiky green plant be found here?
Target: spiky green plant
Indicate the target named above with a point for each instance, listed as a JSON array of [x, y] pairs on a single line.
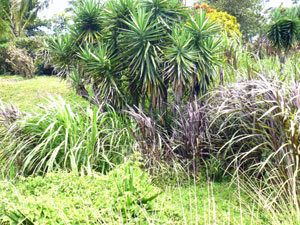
[[133, 65], [61, 51], [181, 59], [205, 42], [142, 55], [88, 21], [102, 66], [283, 31], [116, 13], [165, 12]]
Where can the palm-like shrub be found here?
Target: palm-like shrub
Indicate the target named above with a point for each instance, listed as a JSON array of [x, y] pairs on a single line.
[[136, 63], [165, 12], [203, 32], [181, 58], [88, 21], [61, 53], [116, 14], [283, 31], [101, 65], [142, 54], [17, 15]]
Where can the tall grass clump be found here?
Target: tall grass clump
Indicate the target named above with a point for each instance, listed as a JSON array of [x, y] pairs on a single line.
[[9, 114], [242, 61], [60, 136], [182, 136], [258, 121]]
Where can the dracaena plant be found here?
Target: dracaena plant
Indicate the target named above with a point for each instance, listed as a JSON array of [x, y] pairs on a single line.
[[101, 65], [283, 31], [140, 43], [116, 13], [136, 58], [61, 50], [165, 12], [204, 40], [88, 21], [181, 58]]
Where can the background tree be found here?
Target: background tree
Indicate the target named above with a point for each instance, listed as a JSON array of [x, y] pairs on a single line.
[[18, 15], [249, 14], [283, 31], [18, 19], [228, 22]]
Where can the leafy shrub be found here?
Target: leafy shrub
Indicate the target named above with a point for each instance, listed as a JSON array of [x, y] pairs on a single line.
[[125, 195], [23, 56], [35, 47], [21, 62], [4, 66], [59, 137], [228, 22]]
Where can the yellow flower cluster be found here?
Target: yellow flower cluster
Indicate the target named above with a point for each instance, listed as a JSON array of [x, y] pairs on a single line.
[[228, 22]]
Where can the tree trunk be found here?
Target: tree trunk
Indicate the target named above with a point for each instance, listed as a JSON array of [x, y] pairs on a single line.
[[82, 92]]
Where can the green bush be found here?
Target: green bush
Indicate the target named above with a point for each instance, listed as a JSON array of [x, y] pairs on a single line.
[[21, 62], [34, 46], [125, 195], [28, 49], [4, 66]]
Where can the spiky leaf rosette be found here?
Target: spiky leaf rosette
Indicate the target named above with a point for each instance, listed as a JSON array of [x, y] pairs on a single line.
[[88, 21]]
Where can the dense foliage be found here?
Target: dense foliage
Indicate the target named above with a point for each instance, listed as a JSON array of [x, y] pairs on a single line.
[[18, 20], [229, 23], [59, 137], [132, 54], [249, 14], [180, 88], [124, 194]]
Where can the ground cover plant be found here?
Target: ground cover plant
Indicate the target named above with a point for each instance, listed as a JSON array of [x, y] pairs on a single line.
[[122, 196], [162, 114]]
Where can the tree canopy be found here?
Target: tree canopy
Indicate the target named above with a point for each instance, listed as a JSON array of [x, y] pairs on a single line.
[[249, 14]]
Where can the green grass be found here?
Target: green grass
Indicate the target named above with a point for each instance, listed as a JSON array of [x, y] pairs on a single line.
[[27, 95], [210, 203]]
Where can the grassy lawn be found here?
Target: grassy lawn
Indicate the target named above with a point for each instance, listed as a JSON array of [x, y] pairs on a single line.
[[29, 94]]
